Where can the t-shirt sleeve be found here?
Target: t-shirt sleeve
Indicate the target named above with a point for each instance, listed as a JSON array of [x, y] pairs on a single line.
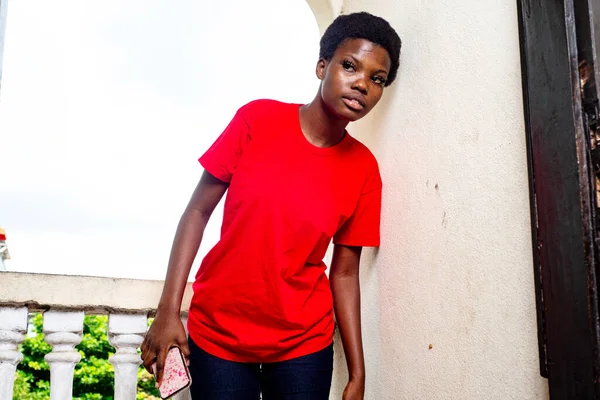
[[222, 158], [362, 228]]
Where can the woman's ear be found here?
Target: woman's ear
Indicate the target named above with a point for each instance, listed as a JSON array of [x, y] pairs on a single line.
[[321, 67]]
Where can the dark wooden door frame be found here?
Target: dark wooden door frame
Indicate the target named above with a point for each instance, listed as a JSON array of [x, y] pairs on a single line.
[[558, 55]]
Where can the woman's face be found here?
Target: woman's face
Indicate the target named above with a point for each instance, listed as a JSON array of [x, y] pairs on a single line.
[[352, 81]]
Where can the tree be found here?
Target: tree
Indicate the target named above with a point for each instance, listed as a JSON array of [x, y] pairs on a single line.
[[93, 378]]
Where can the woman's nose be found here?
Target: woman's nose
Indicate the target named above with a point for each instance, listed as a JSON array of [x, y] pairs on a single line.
[[360, 85]]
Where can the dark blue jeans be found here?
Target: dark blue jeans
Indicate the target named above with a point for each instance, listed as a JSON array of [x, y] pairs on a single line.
[[302, 378]]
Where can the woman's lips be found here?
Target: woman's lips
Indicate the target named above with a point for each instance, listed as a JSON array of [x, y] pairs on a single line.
[[353, 104]]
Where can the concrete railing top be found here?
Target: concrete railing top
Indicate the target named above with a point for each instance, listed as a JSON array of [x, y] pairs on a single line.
[[40, 292]]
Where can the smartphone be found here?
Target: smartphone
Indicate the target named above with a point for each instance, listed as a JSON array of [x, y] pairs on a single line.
[[176, 375]]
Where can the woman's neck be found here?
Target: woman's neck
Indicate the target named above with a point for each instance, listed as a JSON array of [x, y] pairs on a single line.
[[320, 127]]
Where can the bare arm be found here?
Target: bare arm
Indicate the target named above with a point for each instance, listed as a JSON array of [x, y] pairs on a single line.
[[167, 330], [190, 230], [345, 286]]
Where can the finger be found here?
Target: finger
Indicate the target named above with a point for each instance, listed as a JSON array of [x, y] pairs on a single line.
[[147, 343], [144, 348], [160, 364], [148, 359], [185, 350], [184, 347]]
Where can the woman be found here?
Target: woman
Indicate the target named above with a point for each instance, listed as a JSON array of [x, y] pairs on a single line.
[[262, 316]]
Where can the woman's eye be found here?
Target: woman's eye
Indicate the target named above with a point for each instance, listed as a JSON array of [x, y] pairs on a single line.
[[348, 66], [379, 80]]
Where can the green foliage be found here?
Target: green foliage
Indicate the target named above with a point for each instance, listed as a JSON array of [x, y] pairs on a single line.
[[93, 379]]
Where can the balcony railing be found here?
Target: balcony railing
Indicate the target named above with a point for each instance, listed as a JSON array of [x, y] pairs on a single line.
[[64, 300]]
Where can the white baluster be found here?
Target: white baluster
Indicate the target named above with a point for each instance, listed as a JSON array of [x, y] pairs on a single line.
[[13, 325], [126, 333], [63, 331]]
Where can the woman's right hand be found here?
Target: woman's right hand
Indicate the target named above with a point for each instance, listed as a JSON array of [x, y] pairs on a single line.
[[165, 332]]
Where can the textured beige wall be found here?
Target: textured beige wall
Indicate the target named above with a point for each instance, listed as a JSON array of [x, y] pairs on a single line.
[[455, 266]]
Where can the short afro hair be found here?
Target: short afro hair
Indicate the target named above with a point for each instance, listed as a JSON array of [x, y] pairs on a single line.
[[362, 25]]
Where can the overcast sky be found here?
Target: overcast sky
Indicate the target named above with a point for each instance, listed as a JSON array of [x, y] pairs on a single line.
[[105, 107]]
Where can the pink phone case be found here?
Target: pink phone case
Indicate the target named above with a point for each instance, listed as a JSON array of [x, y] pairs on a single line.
[[176, 376]]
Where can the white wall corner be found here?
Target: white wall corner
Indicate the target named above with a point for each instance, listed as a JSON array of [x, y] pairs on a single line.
[[325, 11], [337, 7]]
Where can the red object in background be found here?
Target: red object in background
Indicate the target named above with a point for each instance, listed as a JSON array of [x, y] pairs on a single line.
[[2, 234]]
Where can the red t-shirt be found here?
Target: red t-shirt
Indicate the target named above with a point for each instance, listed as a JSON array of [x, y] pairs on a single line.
[[261, 294]]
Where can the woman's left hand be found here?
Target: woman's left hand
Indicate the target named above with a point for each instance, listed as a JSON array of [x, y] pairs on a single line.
[[355, 390]]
